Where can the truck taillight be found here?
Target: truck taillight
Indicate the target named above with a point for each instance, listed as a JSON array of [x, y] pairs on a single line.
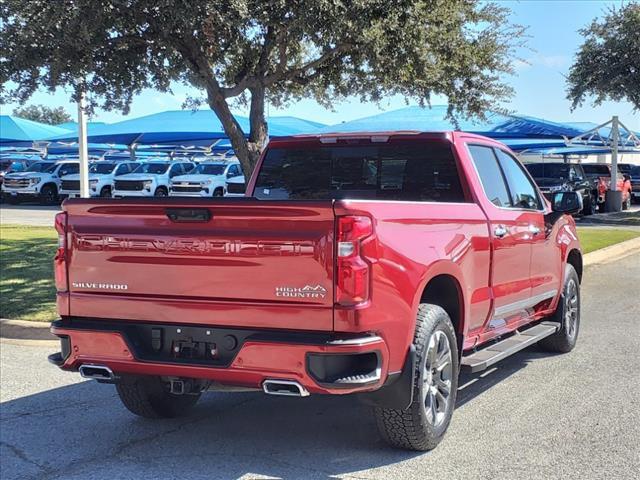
[[353, 271], [60, 259]]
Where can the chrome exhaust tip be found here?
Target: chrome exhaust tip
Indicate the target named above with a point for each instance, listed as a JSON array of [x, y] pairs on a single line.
[[286, 388], [97, 372]]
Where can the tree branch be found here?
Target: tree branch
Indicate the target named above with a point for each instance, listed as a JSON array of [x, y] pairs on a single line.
[[301, 71]]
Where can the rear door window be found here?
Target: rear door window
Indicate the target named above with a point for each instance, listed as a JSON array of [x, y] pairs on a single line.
[[425, 172], [491, 177]]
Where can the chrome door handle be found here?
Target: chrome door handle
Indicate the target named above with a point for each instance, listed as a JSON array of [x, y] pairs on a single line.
[[500, 231], [534, 230]]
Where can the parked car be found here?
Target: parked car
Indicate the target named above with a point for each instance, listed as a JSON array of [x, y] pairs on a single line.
[[41, 181], [207, 179], [564, 177], [150, 179], [236, 186], [101, 177], [600, 173], [633, 173], [357, 266]]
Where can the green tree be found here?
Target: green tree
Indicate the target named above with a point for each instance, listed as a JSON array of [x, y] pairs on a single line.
[[256, 51], [43, 114], [607, 65]]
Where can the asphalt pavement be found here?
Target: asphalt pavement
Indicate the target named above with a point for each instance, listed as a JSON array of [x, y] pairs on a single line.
[[535, 416], [32, 215]]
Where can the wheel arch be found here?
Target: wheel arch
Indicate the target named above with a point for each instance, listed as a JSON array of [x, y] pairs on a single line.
[[444, 288], [574, 258]]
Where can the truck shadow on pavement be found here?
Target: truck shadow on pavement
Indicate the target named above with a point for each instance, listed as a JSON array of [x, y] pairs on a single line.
[[82, 431]]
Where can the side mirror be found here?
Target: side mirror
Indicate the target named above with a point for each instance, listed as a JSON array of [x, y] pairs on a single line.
[[566, 202]]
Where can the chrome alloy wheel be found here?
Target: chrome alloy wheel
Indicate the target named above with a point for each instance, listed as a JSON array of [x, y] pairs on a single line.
[[437, 374], [571, 309]]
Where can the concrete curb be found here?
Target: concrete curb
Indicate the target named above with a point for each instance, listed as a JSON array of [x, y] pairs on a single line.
[[612, 252], [26, 333], [37, 333]]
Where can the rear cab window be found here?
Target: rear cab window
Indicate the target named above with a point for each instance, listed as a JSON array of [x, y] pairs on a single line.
[[424, 171]]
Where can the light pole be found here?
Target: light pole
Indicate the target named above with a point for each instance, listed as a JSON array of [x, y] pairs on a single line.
[[83, 151]]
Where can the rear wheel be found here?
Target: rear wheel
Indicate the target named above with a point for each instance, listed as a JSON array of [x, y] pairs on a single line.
[[218, 192], [48, 195], [590, 206], [149, 397], [424, 423], [105, 192], [160, 192], [567, 314]]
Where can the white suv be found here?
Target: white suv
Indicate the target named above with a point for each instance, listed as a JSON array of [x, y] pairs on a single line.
[[150, 179], [236, 186], [41, 181], [208, 179], [101, 176]]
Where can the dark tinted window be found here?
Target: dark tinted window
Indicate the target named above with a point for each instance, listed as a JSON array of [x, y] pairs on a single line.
[[68, 169], [523, 192], [385, 172], [209, 169], [41, 167], [490, 175], [594, 169], [155, 168], [535, 169], [102, 167]]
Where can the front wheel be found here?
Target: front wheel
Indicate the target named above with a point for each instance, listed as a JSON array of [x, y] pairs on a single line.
[[149, 397], [48, 195], [567, 314], [160, 192], [423, 425], [105, 192]]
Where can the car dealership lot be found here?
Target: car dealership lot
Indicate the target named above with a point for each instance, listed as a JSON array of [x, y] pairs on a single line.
[[535, 415]]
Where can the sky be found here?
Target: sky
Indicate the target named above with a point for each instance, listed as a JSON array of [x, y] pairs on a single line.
[[539, 82]]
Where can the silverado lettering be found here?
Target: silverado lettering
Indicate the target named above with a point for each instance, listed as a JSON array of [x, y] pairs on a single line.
[[193, 246], [378, 265]]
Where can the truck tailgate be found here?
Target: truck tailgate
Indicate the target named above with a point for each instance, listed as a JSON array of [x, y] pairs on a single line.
[[235, 262]]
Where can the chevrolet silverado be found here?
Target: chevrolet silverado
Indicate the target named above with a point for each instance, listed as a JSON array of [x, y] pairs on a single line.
[[372, 264]]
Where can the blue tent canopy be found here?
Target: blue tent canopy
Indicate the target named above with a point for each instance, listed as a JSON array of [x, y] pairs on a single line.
[[434, 120], [73, 126], [182, 126], [18, 131]]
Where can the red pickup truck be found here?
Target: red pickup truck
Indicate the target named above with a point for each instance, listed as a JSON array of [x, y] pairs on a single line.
[[369, 264]]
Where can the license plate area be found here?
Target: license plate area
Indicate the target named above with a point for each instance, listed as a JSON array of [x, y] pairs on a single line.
[[189, 345]]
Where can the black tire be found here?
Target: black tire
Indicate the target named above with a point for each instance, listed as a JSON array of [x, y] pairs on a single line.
[[160, 192], [218, 192], [411, 428], [105, 192], [147, 397], [567, 314], [48, 195], [590, 206]]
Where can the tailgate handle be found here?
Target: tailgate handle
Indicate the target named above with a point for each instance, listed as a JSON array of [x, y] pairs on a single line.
[[188, 215]]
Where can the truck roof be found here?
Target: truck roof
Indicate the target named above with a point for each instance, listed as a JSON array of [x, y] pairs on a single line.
[[450, 135]]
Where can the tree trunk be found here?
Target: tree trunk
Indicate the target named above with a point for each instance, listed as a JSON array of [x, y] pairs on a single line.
[[232, 128], [247, 150]]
